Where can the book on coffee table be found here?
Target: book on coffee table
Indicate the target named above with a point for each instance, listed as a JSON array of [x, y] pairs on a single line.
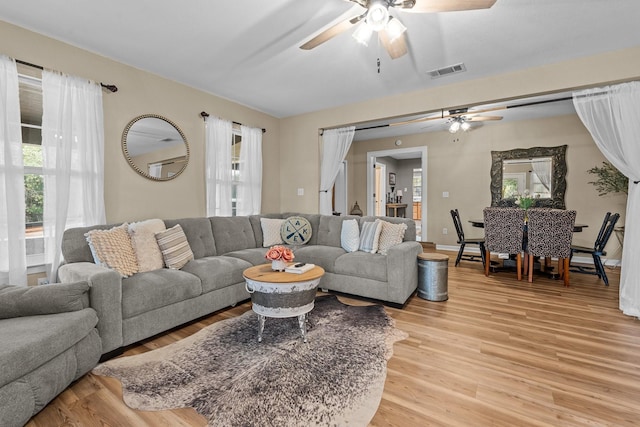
[[299, 269]]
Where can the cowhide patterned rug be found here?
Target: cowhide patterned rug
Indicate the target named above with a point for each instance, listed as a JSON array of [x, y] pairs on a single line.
[[336, 378]]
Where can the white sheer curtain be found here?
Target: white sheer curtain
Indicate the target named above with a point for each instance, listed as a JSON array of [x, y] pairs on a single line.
[[250, 185], [73, 159], [335, 146], [13, 256], [542, 169], [218, 166], [612, 116]]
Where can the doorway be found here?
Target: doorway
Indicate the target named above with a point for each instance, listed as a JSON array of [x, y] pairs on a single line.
[[379, 194], [373, 190]]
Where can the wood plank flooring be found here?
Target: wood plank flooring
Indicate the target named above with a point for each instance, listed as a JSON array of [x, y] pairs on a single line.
[[498, 353]]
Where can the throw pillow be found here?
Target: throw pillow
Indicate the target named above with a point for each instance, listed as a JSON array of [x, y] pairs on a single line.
[[295, 230], [350, 235], [391, 235], [370, 236], [112, 249], [271, 231], [145, 245], [18, 301], [175, 247]]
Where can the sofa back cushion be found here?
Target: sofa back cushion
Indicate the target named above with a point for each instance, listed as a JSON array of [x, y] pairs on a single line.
[[199, 235], [314, 220], [232, 233], [75, 247], [409, 234], [330, 228]]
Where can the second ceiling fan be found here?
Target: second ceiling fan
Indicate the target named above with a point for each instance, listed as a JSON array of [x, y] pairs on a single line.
[[377, 18]]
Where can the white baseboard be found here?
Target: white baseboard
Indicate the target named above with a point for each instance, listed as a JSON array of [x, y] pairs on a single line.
[[608, 262]]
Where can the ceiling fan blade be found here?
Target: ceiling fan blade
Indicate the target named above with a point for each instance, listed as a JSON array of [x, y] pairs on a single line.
[[395, 48], [434, 6], [482, 118], [331, 32]]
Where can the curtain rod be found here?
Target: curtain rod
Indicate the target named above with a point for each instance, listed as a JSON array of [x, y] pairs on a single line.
[[204, 115], [110, 88]]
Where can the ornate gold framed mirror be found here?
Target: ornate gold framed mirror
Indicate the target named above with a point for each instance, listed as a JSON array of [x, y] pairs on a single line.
[[155, 147]]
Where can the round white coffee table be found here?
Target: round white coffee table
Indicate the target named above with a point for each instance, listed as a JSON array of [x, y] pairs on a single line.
[[280, 294]]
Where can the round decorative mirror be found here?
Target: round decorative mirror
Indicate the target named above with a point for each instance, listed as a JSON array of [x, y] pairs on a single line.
[[155, 147]]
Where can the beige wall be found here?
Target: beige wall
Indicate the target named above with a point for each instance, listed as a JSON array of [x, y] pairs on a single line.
[[128, 196]]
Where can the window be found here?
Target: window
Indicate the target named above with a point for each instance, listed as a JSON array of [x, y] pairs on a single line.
[[30, 92], [236, 145], [417, 185]]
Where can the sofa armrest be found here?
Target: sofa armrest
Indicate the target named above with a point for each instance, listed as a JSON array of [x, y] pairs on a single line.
[[105, 297], [402, 270], [20, 301]]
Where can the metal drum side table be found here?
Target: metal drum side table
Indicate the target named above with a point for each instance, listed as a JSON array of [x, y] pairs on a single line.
[[433, 276]]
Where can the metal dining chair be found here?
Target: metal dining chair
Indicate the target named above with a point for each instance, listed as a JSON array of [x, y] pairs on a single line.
[[503, 232], [606, 230], [549, 234], [463, 241]]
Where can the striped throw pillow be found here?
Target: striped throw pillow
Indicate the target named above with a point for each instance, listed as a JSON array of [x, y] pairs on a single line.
[[370, 236], [174, 247]]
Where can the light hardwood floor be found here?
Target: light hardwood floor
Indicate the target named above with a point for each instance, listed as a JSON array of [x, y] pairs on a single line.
[[498, 353]]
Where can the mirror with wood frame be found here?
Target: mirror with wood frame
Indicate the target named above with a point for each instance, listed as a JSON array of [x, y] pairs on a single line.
[[155, 147], [540, 170]]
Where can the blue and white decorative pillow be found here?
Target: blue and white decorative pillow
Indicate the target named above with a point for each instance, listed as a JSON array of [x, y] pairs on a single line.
[[350, 235], [296, 230], [370, 236]]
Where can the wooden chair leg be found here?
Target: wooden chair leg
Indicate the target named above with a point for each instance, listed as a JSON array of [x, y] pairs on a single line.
[[530, 268], [487, 262], [566, 272], [519, 265], [525, 270]]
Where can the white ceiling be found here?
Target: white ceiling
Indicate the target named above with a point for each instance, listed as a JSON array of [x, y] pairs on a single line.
[[248, 50]]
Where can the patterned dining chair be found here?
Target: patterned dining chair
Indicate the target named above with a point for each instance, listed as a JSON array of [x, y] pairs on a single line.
[[503, 232], [549, 234]]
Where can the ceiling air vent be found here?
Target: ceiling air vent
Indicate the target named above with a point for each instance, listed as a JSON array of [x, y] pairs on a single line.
[[445, 71]]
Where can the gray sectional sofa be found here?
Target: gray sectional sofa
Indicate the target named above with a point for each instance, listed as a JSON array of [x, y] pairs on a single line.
[[145, 304], [49, 339]]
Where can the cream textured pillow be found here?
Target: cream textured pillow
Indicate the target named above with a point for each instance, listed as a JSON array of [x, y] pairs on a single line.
[[370, 236], [271, 231], [145, 245], [174, 247], [112, 248], [350, 235], [391, 235]]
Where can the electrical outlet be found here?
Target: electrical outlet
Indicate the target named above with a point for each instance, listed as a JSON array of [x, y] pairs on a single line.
[[43, 281], [445, 231]]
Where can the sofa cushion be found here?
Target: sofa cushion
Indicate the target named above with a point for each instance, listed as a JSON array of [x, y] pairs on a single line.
[[145, 246], [28, 342], [391, 235], [271, 231], [158, 288], [256, 225], [324, 256], [314, 220], [232, 233], [329, 229], [217, 272], [174, 246], [254, 256], [350, 235], [296, 230], [370, 236], [112, 249], [199, 235], [16, 301], [75, 247], [362, 264]]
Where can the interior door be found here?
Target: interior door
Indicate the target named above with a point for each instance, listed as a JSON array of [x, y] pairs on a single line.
[[380, 189]]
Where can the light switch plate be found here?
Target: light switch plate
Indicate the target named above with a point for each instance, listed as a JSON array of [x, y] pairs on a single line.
[[300, 191], [445, 194]]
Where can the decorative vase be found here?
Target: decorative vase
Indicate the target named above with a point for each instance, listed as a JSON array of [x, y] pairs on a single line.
[[278, 265]]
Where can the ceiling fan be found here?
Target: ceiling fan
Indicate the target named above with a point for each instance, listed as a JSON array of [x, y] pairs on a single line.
[[376, 18], [460, 119]]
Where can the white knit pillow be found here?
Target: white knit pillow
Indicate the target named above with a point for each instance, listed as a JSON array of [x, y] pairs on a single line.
[[145, 245], [350, 235], [271, 231], [391, 235], [370, 236]]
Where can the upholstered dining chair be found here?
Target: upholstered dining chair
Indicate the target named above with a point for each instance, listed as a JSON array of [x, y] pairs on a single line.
[[463, 241], [503, 232], [597, 250], [549, 234]]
